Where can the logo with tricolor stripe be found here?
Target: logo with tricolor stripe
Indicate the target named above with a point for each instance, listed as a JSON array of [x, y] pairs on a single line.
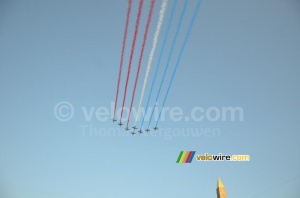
[[186, 157]]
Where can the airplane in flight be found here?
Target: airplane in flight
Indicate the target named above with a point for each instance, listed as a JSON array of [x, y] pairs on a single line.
[[120, 124], [147, 130], [134, 127], [140, 131], [127, 129], [155, 128], [113, 120], [133, 133]]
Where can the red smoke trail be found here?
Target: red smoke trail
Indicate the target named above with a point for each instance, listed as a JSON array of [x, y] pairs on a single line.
[[141, 56], [122, 54], [132, 51]]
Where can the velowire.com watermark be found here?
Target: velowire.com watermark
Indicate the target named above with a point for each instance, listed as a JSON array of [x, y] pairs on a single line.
[[64, 111], [88, 116], [187, 157], [221, 157]]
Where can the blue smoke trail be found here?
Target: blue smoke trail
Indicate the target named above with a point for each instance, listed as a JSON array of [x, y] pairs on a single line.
[[180, 54], [169, 58], [159, 58]]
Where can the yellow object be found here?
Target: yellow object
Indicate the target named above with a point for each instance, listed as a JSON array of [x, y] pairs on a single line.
[[221, 193], [220, 184]]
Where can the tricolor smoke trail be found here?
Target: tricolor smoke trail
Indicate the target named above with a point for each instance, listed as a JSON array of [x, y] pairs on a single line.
[[122, 54], [169, 58], [155, 38], [179, 57], [132, 51], [141, 56], [159, 58]]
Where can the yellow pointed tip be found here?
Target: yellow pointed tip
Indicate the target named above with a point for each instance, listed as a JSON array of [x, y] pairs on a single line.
[[220, 184]]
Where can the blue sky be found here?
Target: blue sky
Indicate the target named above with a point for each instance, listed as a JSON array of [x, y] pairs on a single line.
[[240, 54]]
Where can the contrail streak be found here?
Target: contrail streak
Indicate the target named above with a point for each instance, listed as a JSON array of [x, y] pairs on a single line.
[[141, 56], [179, 57], [159, 58], [132, 51], [122, 54], [169, 58], [155, 38]]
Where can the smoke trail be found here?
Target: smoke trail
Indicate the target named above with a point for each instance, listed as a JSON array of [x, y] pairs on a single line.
[[180, 54], [169, 58], [141, 56], [159, 58], [122, 54], [155, 38], [132, 51]]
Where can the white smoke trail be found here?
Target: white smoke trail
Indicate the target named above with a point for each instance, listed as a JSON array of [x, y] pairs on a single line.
[[156, 34]]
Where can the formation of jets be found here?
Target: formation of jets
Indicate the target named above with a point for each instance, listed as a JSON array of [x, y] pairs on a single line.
[[134, 128]]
